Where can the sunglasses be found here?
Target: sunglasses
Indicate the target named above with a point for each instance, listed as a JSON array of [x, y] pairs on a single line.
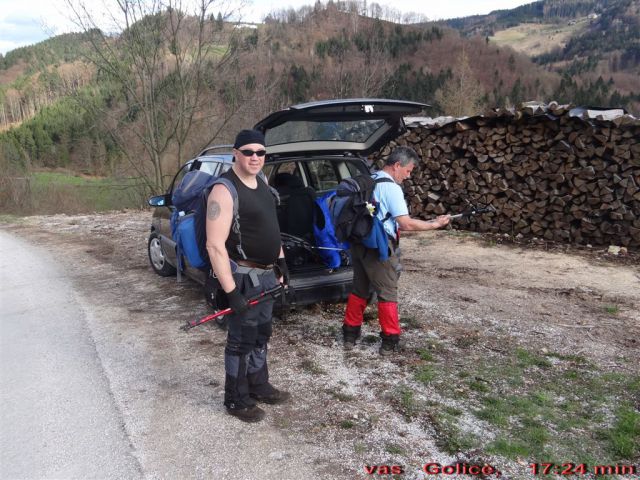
[[249, 153]]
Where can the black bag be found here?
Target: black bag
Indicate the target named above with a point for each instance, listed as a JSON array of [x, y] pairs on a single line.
[[353, 208]]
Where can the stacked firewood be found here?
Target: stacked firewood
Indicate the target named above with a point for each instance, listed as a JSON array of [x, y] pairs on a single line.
[[548, 173]]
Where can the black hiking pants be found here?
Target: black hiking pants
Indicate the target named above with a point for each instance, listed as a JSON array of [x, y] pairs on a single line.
[[245, 355]]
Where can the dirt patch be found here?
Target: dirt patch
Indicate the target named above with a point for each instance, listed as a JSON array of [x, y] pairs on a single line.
[[514, 354]]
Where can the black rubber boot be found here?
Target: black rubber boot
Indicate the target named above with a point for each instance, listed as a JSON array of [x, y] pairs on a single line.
[[350, 335], [390, 344]]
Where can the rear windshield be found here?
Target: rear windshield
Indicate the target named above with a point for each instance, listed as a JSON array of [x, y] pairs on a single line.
[[357, 131]]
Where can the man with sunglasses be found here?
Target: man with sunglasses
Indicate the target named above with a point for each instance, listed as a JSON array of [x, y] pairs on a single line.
[[257, 252]]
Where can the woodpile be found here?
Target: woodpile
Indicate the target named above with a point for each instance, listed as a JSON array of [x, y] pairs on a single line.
[[550, 172]]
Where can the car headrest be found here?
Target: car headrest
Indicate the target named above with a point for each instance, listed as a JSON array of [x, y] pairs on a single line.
[[287, 180]]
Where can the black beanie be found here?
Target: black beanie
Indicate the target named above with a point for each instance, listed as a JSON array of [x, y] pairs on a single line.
[[245, 137]]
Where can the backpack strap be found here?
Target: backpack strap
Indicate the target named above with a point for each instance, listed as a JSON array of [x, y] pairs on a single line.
[[235, 225], [378, 180], [382, 180]]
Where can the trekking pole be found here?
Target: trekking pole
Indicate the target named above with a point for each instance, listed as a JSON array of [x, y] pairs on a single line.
[[474, 211], [273, 293], [303, 243]]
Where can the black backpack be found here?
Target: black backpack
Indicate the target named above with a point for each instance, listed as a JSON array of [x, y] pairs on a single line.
[[353, 208]]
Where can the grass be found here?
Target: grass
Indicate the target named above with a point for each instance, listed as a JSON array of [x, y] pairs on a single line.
[[425, 354], [56, 192], [612, 309], [311, 367], [359, 447], [449, 436], [623, 438], [394, 449], [341, 396], [411, 322], [529, 359], [424, 374], [404, 398], [533, 406], [347, 424], [5, 218], [555, 405]]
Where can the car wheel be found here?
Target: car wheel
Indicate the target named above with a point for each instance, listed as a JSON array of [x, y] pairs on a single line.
[[157, 257]]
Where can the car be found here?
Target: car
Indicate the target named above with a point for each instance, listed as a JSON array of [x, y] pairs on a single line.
[[311, 147]]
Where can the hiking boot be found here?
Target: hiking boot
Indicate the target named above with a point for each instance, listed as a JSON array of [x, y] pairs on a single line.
[[251, 414], [390, 345], [275, 397], [350, 335], [349, 343], [388, 350]]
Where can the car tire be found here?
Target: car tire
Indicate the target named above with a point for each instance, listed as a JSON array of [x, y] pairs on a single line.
[[157, 258]]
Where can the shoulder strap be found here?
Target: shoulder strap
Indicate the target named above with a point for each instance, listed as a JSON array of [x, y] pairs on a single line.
[[235, 225], [384, 180]]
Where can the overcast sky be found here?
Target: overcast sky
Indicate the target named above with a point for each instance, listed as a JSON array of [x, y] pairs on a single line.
[[25, 22]]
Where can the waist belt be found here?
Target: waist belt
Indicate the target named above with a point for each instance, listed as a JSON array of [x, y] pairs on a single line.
[[245, 266]]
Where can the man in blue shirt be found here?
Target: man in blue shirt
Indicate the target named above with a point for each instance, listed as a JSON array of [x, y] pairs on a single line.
[[368, 270]]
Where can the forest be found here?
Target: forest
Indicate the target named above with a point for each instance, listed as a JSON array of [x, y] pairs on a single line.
[[94, 103]]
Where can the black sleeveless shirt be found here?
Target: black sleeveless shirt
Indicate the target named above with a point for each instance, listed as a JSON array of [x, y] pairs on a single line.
[[259, 229]]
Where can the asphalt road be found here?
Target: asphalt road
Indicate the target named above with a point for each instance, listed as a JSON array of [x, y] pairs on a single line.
[[98, 381], [58, 417]]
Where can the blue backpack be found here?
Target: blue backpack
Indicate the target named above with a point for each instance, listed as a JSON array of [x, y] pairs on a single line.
[[325, 235], [188, 221]]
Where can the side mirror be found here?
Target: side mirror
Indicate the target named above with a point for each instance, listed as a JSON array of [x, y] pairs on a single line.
[[160, 201]]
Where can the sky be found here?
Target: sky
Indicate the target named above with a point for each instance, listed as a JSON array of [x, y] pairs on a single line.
[[25, 22]]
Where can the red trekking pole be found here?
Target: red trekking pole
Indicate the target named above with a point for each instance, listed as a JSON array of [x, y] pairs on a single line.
[[271, 293]]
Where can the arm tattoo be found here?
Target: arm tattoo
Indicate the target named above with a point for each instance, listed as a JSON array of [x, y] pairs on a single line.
[[213, 210]]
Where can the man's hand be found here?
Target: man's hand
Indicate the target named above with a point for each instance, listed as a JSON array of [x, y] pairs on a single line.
[[281, 263], [442, 220], [237, 302]]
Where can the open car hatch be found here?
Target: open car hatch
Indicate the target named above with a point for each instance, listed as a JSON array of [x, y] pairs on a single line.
[[359, 125]]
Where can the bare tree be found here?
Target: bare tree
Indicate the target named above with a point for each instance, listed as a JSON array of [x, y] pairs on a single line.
[[462, 95], [161, 62], [373, 65]]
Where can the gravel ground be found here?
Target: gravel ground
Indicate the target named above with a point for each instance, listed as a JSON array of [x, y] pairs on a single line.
[[464, 298]]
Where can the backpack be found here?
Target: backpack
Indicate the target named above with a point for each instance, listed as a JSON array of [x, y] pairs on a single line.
[[330, 248], [353, 210], [188, 221]]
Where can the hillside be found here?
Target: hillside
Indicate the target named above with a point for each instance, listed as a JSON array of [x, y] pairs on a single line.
[[593, 44], [66, 112], [534, 39]]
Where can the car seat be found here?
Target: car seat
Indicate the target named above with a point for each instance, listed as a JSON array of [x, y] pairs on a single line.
[[299, 203]]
